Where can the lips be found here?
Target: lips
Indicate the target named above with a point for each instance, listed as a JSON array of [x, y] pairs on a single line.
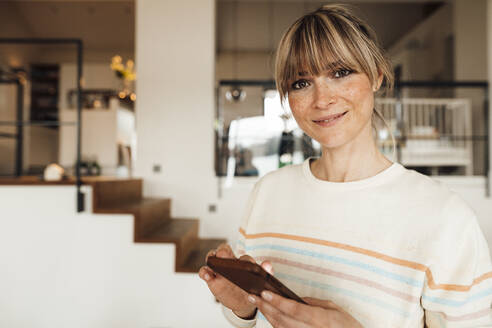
[[329, 117]]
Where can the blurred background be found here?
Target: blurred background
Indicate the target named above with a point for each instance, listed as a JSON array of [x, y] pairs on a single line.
[[178, 118]]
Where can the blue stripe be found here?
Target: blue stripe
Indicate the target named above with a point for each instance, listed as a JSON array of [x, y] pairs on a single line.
[[261, 316], [471, 298], [346, 292], [371, 268], [363, 266]]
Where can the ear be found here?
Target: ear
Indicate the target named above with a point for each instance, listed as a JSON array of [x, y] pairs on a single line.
[[378, 82]]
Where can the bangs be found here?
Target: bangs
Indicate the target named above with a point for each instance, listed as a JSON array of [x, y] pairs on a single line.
[[318, 43], [316, 49]]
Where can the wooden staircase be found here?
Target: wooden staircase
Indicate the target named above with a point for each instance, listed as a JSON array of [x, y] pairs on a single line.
[[152, 220]]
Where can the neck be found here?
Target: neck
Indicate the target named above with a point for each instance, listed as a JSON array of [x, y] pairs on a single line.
[[356, 160]]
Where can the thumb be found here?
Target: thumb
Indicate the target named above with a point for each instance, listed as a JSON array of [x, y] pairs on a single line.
[[247, 258], [267, 266]]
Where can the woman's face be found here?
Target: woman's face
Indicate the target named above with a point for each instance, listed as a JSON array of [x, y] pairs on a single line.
[[313, 99]]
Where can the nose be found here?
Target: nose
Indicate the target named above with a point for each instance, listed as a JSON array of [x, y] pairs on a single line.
[[324, 95]]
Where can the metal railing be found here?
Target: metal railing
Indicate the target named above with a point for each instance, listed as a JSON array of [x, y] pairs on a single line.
[[433, 132], [450, 130], [437, 131]]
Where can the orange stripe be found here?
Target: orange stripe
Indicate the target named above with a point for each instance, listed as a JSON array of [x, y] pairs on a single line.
[[383, 257]]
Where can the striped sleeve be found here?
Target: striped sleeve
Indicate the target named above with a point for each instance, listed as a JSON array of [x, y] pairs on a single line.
[[239, 250], [458, 287], [240, 246], [236, 321]]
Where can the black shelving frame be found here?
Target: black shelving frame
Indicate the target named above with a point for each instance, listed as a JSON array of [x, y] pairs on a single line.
[[20, 123], [41, 73], [19, 133]]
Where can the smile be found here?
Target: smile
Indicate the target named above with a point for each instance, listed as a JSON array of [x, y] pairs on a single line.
[[330, 121]]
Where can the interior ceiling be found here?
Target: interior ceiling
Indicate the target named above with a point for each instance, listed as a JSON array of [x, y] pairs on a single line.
[[257, 25], [110, 24], [102, 25]]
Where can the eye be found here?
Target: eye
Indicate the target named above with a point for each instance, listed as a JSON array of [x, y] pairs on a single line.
[[299, 84], [341, 73]]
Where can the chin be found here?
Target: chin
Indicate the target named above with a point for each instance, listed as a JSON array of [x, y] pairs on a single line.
[[332, 142], [332, 145]]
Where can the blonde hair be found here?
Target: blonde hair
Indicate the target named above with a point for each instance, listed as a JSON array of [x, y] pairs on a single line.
[[330, 38]]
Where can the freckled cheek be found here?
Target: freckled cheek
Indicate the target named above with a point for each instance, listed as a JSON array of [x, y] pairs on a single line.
[[298, 106], [360, 97], [354, 91]]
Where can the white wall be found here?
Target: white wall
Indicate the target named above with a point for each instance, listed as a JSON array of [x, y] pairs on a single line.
[[470, 29], [39, 143], [258, 65], [43, 145], [7, 113], [473, 191], [62, 269], [97, 75], [99, 127], [489, 75], [99, 138], [13, 25], [69, 270], [102, 131], [470, 26], [421, 51], [176, 104], [425, 54]]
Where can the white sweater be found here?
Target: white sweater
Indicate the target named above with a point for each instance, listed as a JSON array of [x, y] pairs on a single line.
[[394, 250]]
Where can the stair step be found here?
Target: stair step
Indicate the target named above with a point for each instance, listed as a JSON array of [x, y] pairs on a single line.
[[172, 231], [196, 257], [149, 213], [115, 192], [153, 222], [182, 232], [135, 206]]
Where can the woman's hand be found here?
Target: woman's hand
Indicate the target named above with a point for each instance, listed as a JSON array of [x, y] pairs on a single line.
[[286, 313], [226, 292]]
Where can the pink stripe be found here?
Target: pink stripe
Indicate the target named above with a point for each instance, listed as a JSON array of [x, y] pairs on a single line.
[[345, 276], [469, 316]]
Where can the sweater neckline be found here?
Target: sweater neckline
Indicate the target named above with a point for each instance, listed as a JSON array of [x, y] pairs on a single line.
[[377, 179]]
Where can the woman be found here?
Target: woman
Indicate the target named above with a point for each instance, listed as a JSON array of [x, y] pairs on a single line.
[[365, 242]]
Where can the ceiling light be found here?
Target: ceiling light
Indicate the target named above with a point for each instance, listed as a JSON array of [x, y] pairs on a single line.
[[235, 94]]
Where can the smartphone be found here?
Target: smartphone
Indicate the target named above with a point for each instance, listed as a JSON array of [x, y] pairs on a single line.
[[250, 277]]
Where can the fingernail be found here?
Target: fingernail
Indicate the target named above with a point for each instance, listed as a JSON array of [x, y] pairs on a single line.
[[251, 299], [266, 295], [207, 277]]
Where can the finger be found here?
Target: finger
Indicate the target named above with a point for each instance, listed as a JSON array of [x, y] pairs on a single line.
[[289, 307], [224, 251], [206, 273], [325, 304], [214, 280], [276, 317], [210, 253], [267, 266]]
